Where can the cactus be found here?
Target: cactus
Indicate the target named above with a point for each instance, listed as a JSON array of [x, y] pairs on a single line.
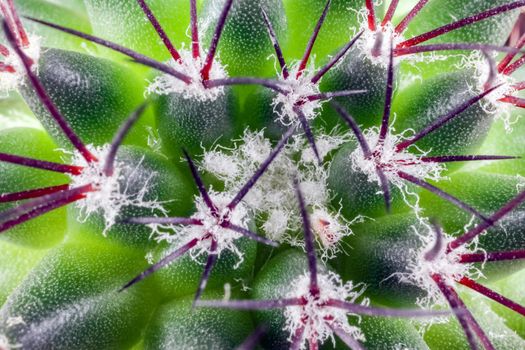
[[261, 174]]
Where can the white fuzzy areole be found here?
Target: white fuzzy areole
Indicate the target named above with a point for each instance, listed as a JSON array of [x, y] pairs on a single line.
[[273, 197], [112, 193], [298, 91], [391, 161], [491, 103], [11, 81], [446, 265], [226, 239], [165, 84], [316, 318]]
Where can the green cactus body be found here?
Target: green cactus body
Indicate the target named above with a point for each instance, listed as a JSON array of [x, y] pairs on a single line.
[[274, 174]]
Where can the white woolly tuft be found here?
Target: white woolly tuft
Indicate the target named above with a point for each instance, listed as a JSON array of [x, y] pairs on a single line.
[[273, 197], [446, 265], [11, 81], [375, 46], [491, 104], [112, 193], [317, 318], [298, 91], [392, 161], [166, 84], [329, 229], [225, 238]]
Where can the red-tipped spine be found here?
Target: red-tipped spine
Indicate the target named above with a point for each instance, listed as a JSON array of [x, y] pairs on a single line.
[[371, 15], [390, 12], [510, 56], [30, 194], [476, 231], [195, 46], [462, 23], [24, 39], [313, 38], [492, 256], [410, 16], [511, 68], [513, 100], [160, 31], [489, 293], [46, 100], [206, 69], [40, 164]]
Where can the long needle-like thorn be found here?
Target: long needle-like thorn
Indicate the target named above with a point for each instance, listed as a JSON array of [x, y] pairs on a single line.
[[205, 71], [249, 234], [160, 31], [250, 304], [46, 101], [462, 23], [491, 256], [510, 56], [30, 194], [137, 57], [440, 122], [308, 132], [440, 193], [336, 58], [476, 231], [308, 241], [457, 308], [165, 261], [410, 16], [453, 47], [39, 206], [390, 12], [466, 158], [384, 312], [195, 45], [489, 293], [40, 164], [164, 221], [210, 263], [200, 184], [371, 15], [329, 95], [268, 83], [350, 341], [311, 42], [24, 39], [389, 92], [275, 43], [109, 165]]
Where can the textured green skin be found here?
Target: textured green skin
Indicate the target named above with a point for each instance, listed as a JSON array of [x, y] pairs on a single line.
[[189, 125], [76, 312], [156, 311], [95, 104], [176, 325], [181, 277], [244, 44]]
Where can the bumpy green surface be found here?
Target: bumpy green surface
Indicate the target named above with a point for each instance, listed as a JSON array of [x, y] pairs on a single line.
[[60, 276]]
